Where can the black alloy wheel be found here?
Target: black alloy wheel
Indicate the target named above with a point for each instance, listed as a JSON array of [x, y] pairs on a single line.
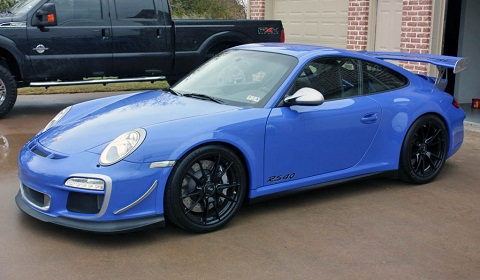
[[424, 150], [206, 189]]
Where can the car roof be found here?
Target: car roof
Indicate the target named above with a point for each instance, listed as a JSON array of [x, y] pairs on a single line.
[[296, 50]]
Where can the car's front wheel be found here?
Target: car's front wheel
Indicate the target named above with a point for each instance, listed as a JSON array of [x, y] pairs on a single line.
[[206, 189], [424, 150]]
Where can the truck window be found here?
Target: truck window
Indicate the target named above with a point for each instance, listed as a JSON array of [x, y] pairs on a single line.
[[77, 10], [132, 10]]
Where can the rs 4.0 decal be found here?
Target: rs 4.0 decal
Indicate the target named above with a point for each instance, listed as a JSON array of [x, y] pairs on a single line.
[[281, 177]]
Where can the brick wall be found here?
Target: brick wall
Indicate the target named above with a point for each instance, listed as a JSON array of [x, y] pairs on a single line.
[[416, 28], [357, 24], [257, 9]]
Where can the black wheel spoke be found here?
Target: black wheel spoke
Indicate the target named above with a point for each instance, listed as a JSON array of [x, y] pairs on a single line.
[[418, 163], [205, 210], [217, 165], [197, 181], [436, 156], [193, 206], [436, 143], [226, 197], [433, 137], [226, 169], [201, 169], [198, 192], [217, 212], [227, 186], [430, 163]]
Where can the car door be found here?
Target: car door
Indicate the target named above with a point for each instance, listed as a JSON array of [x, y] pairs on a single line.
[[78, 46], [141, 38], [305, 141]]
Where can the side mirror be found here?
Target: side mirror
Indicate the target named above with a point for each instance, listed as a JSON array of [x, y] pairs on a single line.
[[45, 16], [305, 96]]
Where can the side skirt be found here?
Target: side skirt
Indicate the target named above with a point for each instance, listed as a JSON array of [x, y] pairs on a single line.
[[386, 174]]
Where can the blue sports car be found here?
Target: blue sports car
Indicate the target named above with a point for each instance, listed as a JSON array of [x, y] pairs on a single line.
[[256, 121]]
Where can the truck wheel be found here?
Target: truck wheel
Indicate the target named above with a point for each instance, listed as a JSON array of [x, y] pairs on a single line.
[[8, 91]]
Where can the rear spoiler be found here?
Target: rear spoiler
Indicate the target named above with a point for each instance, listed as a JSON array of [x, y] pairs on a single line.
[[458, 64], [443, 62]]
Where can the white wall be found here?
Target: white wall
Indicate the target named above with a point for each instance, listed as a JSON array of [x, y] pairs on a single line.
[[467, 83]]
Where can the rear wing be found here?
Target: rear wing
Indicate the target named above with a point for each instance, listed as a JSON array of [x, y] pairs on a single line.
[[443, 62], [458, 64]]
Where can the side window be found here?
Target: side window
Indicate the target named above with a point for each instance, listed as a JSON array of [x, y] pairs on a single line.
[[132, 10], [75, 11], [334, 77], [378, 78]]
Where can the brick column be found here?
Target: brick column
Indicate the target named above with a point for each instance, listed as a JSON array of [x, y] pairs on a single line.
[[416, 28], [257, 9], [357, 24]]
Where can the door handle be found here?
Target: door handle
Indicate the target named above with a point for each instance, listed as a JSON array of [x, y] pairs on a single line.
[[370, 118], [105, 34]]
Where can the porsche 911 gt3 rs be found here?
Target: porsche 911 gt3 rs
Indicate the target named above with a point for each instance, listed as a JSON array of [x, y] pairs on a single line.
[[255, 121]]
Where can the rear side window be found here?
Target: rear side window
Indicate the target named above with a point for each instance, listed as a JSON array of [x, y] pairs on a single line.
[[138, 9], [377, 78]]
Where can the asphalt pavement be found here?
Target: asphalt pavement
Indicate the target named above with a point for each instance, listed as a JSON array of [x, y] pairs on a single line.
[[371, 229]]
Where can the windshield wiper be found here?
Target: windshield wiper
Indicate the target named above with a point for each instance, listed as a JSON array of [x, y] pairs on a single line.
[[174, 92], [204, 97]]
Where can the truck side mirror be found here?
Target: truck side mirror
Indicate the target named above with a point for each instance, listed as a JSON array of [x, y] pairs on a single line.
[[45, 16]]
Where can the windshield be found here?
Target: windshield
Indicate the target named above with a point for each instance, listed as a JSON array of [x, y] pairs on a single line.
[[239, 77], [23, 6]]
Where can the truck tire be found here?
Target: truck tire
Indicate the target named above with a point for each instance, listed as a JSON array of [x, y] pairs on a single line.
[[8, 91]]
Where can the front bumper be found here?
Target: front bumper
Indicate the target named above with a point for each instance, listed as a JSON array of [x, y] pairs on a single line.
[[132, 197], [93, 226]]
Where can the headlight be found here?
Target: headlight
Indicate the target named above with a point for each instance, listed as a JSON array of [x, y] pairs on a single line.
[[122, 146], [57, 118]]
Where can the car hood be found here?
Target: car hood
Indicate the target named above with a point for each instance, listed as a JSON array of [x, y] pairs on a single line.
[[84, 128], [10, 20]]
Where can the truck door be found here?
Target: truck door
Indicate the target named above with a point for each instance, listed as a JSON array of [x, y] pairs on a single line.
[[141, 38], [78, 46]]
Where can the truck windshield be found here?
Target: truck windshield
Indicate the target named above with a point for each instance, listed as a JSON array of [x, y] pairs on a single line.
[[23, 6], [239, 77]]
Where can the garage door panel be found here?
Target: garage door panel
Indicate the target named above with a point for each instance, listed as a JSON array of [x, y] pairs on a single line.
[[320, 22]]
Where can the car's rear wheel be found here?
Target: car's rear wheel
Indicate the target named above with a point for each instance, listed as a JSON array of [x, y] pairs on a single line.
[[206, 189], [8, 91], [424, 150]]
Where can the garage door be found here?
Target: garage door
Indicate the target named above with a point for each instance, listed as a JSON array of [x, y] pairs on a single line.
[[319, 22]]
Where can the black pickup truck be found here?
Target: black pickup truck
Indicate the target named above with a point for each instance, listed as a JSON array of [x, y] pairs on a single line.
[[63, 42]]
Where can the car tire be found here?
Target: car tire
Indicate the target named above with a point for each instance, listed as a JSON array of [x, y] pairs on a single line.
[[8, 91], [206, 189], [424, 150]]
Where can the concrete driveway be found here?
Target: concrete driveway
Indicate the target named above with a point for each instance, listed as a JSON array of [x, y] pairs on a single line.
[[372, 229]]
